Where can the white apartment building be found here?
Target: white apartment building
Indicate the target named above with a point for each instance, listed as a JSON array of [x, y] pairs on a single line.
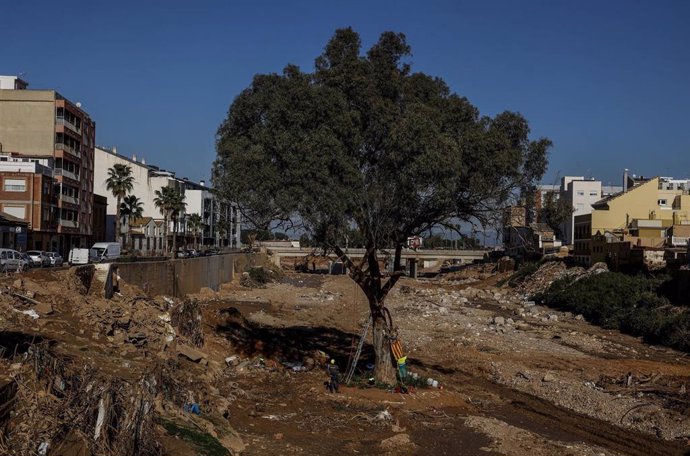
[[148, 179], [581, 193]]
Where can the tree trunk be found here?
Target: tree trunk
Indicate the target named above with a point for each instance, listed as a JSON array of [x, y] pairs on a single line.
[[397, 266], [384, 365], [174, 246], [165, 235], [117, 222]]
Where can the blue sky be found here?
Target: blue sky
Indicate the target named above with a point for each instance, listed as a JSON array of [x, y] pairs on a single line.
[[608, 82]]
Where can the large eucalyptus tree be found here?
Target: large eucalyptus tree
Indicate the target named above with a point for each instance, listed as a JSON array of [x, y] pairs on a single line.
[[364, 143]]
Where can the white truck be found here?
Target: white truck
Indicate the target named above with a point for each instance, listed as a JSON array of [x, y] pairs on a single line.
[[98, 253], [104, 251], [78, 256]]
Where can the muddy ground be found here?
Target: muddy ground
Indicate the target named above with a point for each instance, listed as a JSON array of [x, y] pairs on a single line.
[[515, 378]]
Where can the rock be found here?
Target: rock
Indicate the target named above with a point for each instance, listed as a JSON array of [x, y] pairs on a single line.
[[579, 317], [30, 294], [278, 436], [232, 442], [553, 317], [522, 326], [44, 308], [500, 321], [18, 283], [190, 353], [548, 378], [233, 360], [395, 442], [529, 304], [510, 321]]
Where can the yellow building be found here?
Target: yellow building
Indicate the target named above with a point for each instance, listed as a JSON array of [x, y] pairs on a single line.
[[640, 215]]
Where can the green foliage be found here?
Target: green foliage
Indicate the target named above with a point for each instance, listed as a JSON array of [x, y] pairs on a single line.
[[250, 236], [132, 207], [619, 301], [363, 142], [555, 212], [204, 444], [120, 180], [260, 275], [525, 270]]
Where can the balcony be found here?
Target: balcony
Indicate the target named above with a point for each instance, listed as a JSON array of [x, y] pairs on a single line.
[[68, 124], [69, 223], [69, 199], [679, 241], [65, 173], [70, 149]]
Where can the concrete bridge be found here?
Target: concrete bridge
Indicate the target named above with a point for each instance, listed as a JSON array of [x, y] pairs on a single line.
[[422, 256]]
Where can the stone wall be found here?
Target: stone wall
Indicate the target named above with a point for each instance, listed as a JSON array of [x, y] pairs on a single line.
[[184, 276]]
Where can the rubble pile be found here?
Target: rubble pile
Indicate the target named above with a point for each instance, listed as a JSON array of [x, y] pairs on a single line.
[[61, 404], [139, 321], [186, 317], [549, 272]]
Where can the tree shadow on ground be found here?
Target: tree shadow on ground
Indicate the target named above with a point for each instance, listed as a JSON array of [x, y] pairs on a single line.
[[291, 343]]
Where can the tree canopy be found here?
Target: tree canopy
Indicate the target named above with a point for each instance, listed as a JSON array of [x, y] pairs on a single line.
[[555, 212], [362, 142]]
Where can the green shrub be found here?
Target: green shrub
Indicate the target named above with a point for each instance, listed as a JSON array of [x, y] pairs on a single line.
[[619, 301], [259, 275], [525, 270]]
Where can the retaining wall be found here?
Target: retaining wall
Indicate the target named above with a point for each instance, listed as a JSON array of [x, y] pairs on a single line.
[[180, 277]]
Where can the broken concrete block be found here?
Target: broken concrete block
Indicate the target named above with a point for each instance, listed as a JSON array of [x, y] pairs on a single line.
[[44, 308], [548, 378], [500, 321], [395, 442], [190, 353]]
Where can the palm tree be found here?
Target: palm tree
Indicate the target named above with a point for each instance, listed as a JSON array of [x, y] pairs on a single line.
[[131, 208], [120, 182], [195, 224], [170, 202], [179, 206]]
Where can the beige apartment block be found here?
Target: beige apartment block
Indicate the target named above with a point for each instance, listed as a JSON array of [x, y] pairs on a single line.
[[35, 124], [641, 215]]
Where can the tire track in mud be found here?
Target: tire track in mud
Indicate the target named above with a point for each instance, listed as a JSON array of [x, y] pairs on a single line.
[[542, 417]]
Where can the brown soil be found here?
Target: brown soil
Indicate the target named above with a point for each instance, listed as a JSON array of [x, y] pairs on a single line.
[[537, 382]]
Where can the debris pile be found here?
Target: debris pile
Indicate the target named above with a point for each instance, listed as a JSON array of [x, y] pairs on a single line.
[[551, 271], [186, 317], [61, 403]]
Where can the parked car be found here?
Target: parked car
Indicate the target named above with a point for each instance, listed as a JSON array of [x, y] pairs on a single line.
[[55, 259], [38, 259], [27, 259], [11, 260]]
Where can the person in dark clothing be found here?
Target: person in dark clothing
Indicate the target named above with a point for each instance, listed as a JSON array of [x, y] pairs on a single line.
[[333, 384]]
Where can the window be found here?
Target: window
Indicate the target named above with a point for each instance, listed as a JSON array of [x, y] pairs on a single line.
[[15, 185], [580, 193], [662, 202], [593, 193]]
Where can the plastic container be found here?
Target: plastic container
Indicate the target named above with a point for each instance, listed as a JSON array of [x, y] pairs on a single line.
[[434, 383], [429, 381]]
